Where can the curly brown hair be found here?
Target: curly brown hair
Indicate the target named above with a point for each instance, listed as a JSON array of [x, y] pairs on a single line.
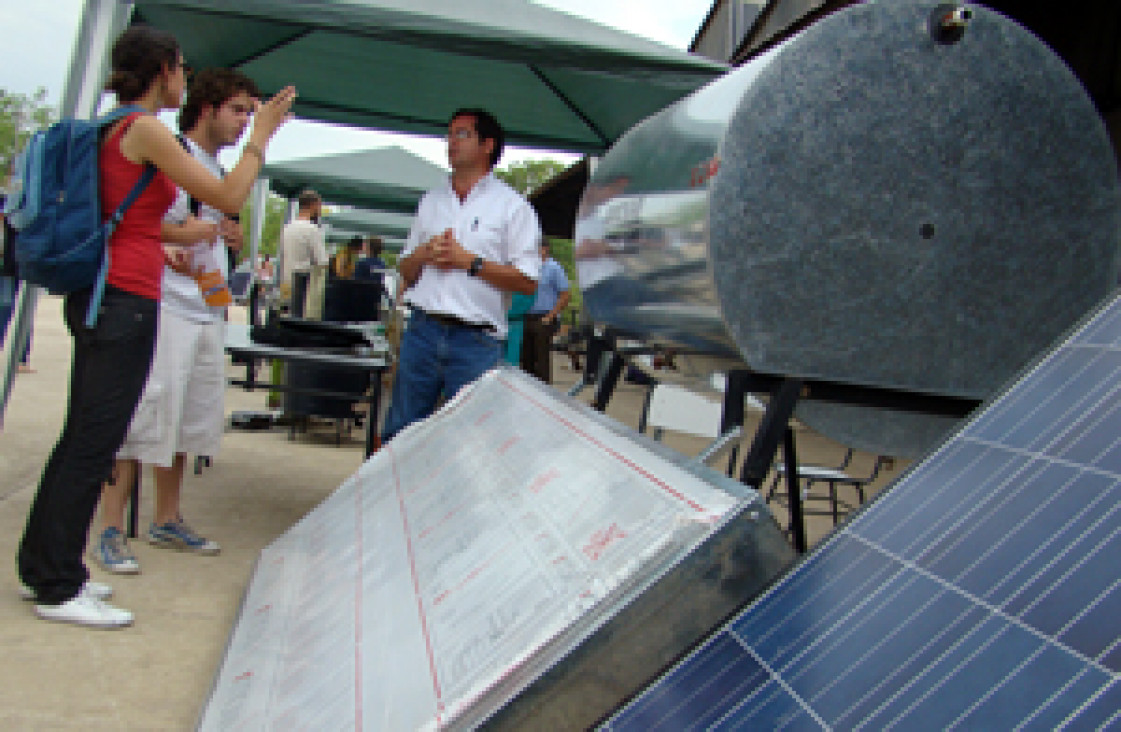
[[213, 88]]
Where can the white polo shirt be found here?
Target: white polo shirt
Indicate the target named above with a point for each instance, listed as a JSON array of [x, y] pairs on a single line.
[[494, 222]]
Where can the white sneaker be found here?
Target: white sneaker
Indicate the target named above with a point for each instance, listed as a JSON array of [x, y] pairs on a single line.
[[98, 590], [84, 609]]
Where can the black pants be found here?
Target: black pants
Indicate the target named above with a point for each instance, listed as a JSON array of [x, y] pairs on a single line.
[[109, 368], [537, 347]]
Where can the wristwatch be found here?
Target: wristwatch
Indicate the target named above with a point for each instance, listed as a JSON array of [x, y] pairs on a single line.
[[476, 265]]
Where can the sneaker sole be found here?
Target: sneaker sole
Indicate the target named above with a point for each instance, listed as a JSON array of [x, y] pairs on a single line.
[[118, 569], [180, 547], [98, 625]]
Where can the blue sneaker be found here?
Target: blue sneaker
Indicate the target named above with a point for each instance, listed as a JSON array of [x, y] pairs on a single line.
[[178, 535], [113, 554]]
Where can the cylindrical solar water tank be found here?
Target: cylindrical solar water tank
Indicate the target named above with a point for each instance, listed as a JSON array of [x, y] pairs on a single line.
[[911, 195]]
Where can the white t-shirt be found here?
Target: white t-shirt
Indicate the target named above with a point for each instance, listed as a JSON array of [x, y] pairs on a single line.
[[496, 223], [302, 246], [181, 293]]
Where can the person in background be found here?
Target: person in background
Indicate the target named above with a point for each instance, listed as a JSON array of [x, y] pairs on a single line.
[[543, 319], [369, 266], [520, 303], [301, 240], [182, 409], [474, 239], [266, 271], [111, 359], [343, 263]]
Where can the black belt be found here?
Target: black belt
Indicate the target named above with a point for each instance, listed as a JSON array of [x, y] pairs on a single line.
[[454, 321]]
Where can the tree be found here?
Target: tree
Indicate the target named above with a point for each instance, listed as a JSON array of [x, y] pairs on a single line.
[[274, 221], [528, 175], [21, 116]]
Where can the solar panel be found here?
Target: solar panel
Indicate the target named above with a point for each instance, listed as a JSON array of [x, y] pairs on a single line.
[[982, 591]]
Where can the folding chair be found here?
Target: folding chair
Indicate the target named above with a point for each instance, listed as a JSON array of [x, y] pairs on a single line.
[[675, 408], [832, 477]]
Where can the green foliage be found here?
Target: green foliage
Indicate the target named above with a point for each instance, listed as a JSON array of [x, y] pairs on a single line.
[[274, 221], [528, 175], [21, 116]]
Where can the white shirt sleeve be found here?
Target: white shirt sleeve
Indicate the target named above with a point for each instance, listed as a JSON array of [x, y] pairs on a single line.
[[523, 240], [413, 239]]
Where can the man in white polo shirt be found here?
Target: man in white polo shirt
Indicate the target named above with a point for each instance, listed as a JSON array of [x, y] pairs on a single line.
[[182, 408], [474, 240]]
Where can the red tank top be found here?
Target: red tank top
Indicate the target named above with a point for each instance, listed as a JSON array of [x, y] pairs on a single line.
[[135, 249]]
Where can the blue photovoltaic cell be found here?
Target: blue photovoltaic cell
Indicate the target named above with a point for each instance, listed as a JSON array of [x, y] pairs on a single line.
[[981, 591]]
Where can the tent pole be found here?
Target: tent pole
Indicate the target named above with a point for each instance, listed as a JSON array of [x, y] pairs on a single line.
[[259, 195], [102, 21]]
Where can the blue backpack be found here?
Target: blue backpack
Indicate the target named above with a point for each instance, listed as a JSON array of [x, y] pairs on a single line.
[[55, 208]]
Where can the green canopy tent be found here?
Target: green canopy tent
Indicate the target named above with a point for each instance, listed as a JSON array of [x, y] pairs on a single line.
[[390, 226], [554, 81], [384, 179], [338, 237]]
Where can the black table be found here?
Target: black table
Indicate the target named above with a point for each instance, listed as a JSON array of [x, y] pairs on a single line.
[[373, 360]]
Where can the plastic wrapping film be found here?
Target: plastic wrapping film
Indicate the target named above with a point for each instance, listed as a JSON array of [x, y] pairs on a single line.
[[476, 554]]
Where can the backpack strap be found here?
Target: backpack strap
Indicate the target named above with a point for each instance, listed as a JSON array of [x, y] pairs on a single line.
[[195, 205], [107, 229], [192, 203]]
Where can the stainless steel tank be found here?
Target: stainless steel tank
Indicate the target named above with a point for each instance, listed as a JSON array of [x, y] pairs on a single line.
[[907, 194]]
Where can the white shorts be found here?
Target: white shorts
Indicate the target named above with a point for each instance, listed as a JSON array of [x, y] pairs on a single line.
[[183, 406]]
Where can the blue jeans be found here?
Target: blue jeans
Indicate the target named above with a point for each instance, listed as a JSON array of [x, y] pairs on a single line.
[[435, 359]]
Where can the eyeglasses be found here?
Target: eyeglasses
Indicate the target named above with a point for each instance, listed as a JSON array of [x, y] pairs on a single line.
[[461, 134]]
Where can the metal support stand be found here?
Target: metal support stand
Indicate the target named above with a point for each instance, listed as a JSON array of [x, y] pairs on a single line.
[[793, 493], [373, 435], [610, 370], [254, 302], [763, 448], [775, 427], [732, 414], [134, 501]]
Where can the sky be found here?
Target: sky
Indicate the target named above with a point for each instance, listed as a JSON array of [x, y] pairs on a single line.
[[38, 55]]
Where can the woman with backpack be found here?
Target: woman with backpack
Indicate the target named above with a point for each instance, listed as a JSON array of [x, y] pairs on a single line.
[[111, 359]]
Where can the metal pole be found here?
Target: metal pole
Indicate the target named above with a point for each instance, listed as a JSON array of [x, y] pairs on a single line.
[[102, 22], [260, 196]]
